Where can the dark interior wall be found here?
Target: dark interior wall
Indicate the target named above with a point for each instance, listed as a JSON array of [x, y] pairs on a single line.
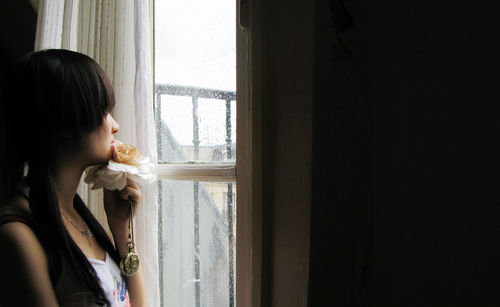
[[287, 60], [408, 194], [17, 27], [17, 37]]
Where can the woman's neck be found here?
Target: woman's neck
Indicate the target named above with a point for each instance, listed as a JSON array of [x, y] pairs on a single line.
[[67, 178]]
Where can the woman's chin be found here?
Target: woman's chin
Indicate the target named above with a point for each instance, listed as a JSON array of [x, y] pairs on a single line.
[[99, 161]]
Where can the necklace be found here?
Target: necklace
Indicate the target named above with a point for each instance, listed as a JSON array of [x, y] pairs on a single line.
[[86, 233]]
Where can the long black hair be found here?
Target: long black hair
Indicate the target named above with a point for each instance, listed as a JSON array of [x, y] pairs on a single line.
[[54, 98]]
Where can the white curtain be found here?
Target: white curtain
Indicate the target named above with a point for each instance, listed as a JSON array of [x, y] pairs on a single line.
[[116, 33]]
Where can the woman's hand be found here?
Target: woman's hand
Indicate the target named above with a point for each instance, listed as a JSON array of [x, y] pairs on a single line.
[[116, 204]]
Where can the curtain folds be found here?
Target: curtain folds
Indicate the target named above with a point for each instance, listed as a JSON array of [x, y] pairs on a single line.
[[117, 35]]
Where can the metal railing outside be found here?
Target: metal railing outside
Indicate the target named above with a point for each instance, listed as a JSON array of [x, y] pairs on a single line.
[[225, 96]]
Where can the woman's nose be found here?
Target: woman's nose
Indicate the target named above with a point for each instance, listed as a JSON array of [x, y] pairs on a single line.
[[114, 125]]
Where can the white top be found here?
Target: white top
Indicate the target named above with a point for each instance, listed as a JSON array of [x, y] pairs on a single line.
[[112, 281]]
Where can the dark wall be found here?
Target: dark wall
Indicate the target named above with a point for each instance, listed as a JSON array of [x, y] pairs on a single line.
[[17, 27], [408, 195], [17, 37]]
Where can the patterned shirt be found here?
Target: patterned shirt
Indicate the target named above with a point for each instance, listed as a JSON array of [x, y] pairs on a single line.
[[112, 281]]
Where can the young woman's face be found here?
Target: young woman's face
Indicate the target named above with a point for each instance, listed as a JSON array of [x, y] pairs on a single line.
[[98, 144]]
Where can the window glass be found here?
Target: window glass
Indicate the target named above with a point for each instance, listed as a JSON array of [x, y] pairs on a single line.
[[196, 129], [195, 76], [197, 240], [195, 108]]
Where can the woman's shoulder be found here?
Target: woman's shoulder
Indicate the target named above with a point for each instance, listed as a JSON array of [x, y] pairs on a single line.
[[16, 224], [16, 210], [18, 201], [16, 221], [17, 236], [27, 277], [14, 230]]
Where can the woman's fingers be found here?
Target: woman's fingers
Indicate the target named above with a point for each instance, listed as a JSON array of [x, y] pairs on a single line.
[[132, 184], [124, 193], [132, 192]]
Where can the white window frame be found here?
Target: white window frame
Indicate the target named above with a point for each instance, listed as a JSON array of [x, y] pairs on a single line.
[[219, 172]]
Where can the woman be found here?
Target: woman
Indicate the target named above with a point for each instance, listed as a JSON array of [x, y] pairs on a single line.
[[54, 252]]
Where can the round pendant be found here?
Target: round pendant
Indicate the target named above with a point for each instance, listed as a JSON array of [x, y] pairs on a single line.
[[129, 264]]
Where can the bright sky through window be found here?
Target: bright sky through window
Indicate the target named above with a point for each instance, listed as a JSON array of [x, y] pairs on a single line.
[[195, 45]]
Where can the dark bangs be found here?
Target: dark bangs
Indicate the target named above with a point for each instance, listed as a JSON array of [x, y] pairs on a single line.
[[87, 94]]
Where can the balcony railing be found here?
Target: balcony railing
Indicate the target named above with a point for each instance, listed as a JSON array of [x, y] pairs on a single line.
[[226, 170]]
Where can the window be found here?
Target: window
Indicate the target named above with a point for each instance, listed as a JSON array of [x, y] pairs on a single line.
[[195, 107]]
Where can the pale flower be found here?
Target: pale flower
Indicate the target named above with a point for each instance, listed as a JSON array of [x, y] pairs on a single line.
[[125, 153], [127, 163]]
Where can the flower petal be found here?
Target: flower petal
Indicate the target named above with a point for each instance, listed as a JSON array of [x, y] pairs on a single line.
[[113, 175]]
